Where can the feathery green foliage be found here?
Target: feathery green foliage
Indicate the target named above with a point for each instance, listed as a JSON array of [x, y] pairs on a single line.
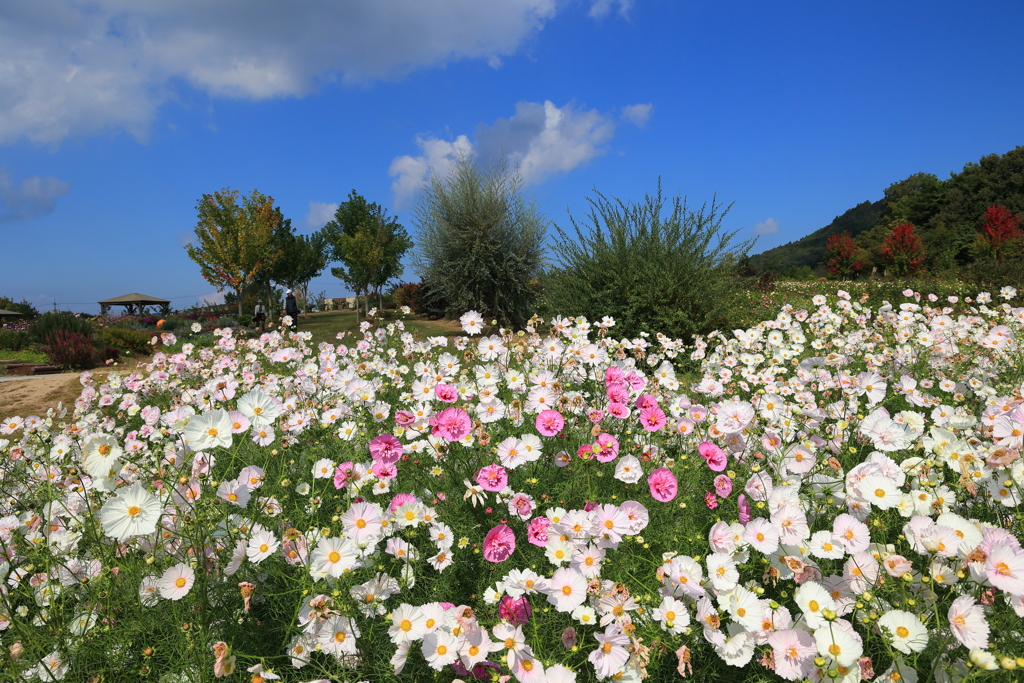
[[480, 244], [652, 273]]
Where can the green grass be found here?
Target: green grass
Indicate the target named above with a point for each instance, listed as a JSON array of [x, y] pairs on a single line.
[[325, 326], [26, 356]]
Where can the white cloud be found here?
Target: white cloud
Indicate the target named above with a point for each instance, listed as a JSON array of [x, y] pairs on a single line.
[[70, 67], [769, 227], [410, 172], [33, 196], [320, 213], [540, 139], [600, 8], [637, 114]]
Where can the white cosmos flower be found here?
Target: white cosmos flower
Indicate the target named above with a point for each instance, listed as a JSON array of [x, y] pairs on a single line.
[[176, 582], [262, 545], [259, 408], [905, 630], [209, 430], [132, 512]]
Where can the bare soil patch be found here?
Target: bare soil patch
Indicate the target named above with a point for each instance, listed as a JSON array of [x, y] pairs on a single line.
[[36, 395]]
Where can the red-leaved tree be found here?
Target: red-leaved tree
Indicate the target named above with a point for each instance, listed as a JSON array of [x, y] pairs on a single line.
[[903, 250], [999, 232], [842, 257]]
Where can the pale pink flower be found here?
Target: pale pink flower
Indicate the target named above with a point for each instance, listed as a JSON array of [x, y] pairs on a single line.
[[1005, 569], [968, 623], [176, 582], [794, 652], [723, 486], [550, 422]]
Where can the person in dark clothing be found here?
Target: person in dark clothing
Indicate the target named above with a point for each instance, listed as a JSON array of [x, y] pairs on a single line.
[[291, 308], [259, 316]]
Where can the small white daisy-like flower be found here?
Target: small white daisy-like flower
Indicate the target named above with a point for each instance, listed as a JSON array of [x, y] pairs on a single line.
[[176, 582]]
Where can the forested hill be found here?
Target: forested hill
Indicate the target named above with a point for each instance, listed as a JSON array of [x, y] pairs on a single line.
[[946, 215], [810, 250]]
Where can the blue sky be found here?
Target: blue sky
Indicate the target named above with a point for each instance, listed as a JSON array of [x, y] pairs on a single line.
[[115, 120]]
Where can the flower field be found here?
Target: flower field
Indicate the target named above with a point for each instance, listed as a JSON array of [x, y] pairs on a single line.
[[833, 496]]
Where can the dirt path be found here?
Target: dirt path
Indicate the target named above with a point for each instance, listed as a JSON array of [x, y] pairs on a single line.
[[35, 395]]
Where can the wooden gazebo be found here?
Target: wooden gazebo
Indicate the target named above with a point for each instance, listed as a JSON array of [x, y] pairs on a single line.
[[135, 303]]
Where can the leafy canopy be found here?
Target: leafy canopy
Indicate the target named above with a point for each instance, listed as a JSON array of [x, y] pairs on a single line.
[[234, 240]]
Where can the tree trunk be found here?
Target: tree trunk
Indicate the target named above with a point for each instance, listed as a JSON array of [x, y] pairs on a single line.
[[239, 291]]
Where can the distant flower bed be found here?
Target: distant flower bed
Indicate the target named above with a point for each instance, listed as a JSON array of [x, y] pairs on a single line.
[[836, 496]]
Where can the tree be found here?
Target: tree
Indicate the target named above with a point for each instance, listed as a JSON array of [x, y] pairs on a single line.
[[842, 257], [302, 258], [999, 233], [480, 244], [369, 244], [234, 240], [902, 250], [651, 272]]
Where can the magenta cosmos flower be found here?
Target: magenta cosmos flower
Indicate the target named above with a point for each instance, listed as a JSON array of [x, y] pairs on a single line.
[[663, 484], [492, 477], [652, 418], [714, 456], [386, 449], [451, 424], [550, 422], [499, 544]]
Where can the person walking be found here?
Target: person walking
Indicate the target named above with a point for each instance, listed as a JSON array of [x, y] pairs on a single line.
[[291, 308], [259, 316]]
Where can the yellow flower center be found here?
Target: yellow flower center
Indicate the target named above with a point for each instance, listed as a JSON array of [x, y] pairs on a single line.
[[902, 631], [180, 582], [360, 523], [104, 449], [335, 556], [441, 650], [134, 510], [406, 625]]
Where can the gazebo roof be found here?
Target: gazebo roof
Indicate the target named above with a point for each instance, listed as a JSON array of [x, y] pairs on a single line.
[[13, 314], [134, 298]]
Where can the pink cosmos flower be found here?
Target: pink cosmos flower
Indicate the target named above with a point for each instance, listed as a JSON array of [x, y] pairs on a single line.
[[343, 473], [451, 424], [446, 392], [404, 418], [515, 611], [550, 422], [617, 392], [492, 477], [595, 415], [521, 505], [619, 410], [384, 470], [607, 447], [614, 374], [744, 509], [663, 484], [239, 422], [400, 500], [723, 486], [653, 418], [711, 500], [537, 531], [645, 401], [386, 449], [714, 456], [499, 544]]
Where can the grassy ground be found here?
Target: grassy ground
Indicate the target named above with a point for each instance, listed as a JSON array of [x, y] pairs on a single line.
[[326, 326]]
